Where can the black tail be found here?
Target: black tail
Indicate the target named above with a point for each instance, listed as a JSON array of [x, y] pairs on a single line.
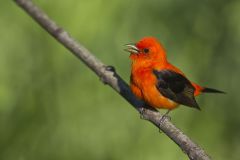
[[211, 90]]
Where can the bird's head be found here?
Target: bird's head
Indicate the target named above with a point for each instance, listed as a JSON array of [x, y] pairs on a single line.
[[148, 48]]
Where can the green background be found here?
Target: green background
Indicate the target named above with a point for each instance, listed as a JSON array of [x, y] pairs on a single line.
[[53, 107]]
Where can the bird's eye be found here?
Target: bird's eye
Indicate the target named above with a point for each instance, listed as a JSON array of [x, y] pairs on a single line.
[[145, 50]]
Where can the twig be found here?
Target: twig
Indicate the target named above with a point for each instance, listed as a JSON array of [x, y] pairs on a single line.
[[109, 76]]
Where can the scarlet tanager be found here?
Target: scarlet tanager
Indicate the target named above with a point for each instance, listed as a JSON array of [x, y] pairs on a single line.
[[156, 81]]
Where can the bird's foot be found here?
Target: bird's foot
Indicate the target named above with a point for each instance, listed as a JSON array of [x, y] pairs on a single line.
[[141, 111], [164, 117]]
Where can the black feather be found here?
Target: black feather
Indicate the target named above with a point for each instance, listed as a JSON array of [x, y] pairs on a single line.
[[211, 90], [176, 87]]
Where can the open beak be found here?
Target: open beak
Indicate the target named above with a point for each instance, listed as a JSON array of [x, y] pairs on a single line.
[[131, 48]]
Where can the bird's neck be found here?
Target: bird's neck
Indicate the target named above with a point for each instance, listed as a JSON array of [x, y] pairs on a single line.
[[148, 64]]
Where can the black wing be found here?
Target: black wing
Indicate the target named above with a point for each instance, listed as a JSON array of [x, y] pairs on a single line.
[[176, 87]]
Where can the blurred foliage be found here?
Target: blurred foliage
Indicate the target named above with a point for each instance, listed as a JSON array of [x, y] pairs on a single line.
[[54, 107]]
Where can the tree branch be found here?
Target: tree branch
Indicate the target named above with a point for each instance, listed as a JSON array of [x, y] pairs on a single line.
[[110, 77]]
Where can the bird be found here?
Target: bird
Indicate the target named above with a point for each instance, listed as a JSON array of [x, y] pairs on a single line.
[[156, 81]]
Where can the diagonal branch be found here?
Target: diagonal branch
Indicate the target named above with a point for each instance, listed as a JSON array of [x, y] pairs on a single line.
[[110, 77]]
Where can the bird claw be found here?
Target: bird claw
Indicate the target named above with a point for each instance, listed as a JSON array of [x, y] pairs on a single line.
[[160, 131], [164, 117], [162, 120], [141, 111]]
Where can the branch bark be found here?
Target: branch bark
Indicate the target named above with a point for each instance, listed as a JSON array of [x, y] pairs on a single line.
[[109, 76]]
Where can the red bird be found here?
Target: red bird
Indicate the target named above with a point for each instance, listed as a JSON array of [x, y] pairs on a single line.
[[158, 82]]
